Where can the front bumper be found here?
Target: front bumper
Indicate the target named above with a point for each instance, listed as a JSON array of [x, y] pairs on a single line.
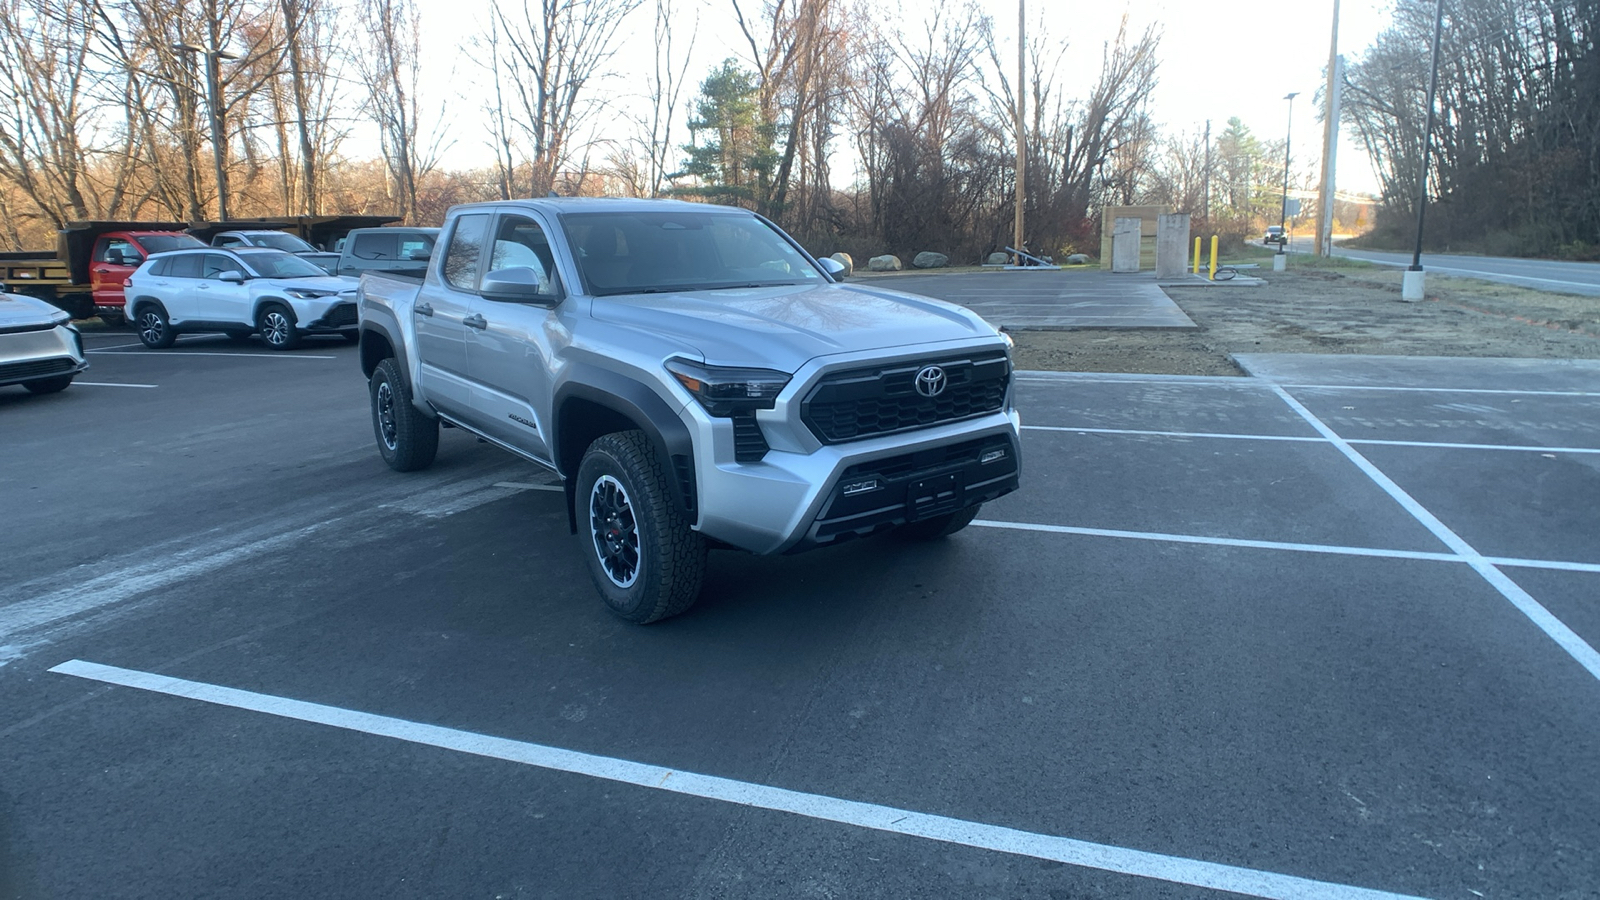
[[336, 319], [40, 353], [792, 501]]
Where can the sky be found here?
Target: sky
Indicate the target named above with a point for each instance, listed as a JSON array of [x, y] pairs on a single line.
[[1219, 59]]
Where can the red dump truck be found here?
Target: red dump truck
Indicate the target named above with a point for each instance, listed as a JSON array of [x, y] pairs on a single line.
[[85, 273]]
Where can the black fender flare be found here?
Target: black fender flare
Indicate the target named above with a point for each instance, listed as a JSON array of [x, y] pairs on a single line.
[[370, 354], [639, 404]]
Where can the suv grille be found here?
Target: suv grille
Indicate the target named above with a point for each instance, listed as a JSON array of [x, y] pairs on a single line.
[[862, 403], [341, 315], [36, 367]]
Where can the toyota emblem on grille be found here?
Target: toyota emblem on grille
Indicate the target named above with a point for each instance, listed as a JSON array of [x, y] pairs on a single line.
[[931, 381]]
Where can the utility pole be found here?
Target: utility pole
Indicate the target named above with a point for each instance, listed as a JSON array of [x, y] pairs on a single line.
[[1022, 132], [1206, 177], [219, 140], [1288, 132], [1330, 142]]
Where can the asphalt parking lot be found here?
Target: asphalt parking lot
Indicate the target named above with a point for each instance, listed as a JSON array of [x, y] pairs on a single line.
[[1326, 631]]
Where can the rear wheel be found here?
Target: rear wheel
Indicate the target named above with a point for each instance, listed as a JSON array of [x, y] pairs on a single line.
[[277, 326], [113, 319], [49, 385], [645, 559], [407, 439], [931, 529], [155, 330]]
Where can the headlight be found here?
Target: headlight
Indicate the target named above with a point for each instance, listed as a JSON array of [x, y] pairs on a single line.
[[1010, 344], [726, 392], [60, 318], [308, 294]]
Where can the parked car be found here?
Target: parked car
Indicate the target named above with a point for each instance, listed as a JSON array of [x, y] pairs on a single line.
[[386, 250], [1275, 235], [84, 274], [279, 240], [39, 348], [250, 290]]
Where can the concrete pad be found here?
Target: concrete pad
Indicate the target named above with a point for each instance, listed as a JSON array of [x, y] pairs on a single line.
[[1425, 371], [1051, 301], [1193, 280]]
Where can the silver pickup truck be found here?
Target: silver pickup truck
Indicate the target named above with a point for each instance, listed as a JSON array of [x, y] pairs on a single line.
[[695, 378]]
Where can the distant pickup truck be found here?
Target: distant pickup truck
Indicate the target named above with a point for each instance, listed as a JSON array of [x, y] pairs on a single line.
[[278, 240], [84, 275], [695, 378], [385, 250]]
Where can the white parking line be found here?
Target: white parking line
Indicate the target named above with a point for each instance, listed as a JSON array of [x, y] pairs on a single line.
[[1442, 445], [1558, 631], [113, 352], [1331, 549], [112, 384], [1230, 381], [1104, 857]]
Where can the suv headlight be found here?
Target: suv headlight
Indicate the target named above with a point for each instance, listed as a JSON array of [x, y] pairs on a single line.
[[726, 392], [309, 293]]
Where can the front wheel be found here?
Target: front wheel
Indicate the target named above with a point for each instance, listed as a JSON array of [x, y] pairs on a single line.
[[939, 526], [49, 385], [407, 439], [155, 330], [277, 327], [645, 559]]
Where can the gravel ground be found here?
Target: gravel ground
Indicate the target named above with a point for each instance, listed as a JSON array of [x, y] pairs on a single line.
[[1331, 306]]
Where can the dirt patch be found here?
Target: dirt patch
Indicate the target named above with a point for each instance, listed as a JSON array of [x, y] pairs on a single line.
[[1331, 307]]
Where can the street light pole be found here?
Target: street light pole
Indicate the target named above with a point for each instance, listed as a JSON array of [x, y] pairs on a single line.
[[1283, 219], [1411, 284], [214, 107]]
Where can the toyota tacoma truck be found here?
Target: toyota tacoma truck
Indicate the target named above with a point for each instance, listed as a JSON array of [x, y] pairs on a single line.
[[695, 378]]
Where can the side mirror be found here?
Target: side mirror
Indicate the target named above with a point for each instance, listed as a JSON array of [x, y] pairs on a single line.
[[232, 277], [518, 284], [833, 267]]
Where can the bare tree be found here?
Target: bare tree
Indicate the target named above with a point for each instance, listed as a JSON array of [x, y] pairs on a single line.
[[553, 50], [390, 70]]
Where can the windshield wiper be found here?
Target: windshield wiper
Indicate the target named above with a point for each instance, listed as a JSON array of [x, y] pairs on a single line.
[[743, 286]]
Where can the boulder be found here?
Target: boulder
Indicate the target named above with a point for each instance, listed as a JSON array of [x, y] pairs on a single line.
[[885, 263], [928, 259], [844, 259], [1078, 259], [998, 259]]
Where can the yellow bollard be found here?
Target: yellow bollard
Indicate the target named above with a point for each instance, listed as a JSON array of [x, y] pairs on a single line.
[[1213, 275], [1197, 254]]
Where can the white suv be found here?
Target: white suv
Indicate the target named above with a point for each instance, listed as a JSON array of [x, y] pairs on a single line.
[[240, 292]]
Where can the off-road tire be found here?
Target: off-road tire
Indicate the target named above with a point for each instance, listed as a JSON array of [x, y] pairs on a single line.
[[155, 329], [49, 385], [276, 324], [931, 529], [407, 439], [624, 502]]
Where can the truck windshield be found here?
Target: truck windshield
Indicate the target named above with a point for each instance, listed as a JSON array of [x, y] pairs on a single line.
[[278, 264], [651, 252], [279, 240], [161, 243]]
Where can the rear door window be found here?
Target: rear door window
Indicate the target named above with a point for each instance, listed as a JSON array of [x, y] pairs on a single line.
[[466, 249], [376, 245], [185, 266]]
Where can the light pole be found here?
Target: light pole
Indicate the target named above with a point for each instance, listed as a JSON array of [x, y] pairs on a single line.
[[218, 139], [1411, 283], [1283, 219]]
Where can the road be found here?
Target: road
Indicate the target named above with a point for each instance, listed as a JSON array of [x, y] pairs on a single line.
[[1540, 274]]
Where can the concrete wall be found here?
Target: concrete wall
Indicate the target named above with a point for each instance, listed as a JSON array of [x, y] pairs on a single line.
[[1146, 215], [1172, 245], [1125, 244]]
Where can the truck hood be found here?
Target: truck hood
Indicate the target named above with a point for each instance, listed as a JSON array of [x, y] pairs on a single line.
[[333, 284], [17, 311], [783, 327]]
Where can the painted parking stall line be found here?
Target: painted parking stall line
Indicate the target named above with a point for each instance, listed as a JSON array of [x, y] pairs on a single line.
[[112, 384], [945, 829], [1259, 384], [1542, 618], [1301, 439], [181, 354]]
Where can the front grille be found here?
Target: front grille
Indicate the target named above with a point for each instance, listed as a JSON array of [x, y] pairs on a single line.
[[341, 315], [35, 368], [862, 403]]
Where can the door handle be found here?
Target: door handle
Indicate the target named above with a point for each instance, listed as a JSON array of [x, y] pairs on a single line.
[[424, 309], [475, 321], [102, 270]]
